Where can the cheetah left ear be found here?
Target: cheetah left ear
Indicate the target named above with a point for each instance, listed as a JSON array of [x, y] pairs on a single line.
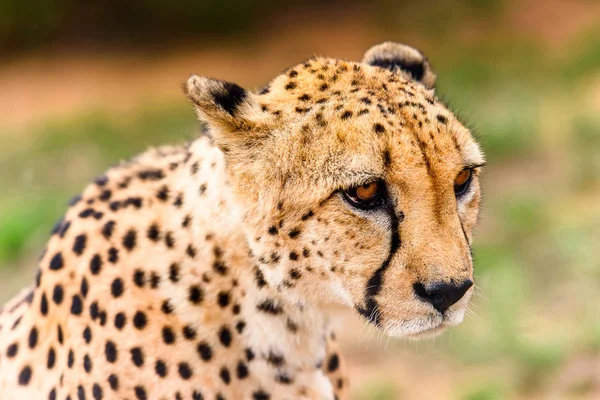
[[230, 110], [401, 59]]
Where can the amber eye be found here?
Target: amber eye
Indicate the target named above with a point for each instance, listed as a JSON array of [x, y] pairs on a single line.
[[366, 196], [463, 182]]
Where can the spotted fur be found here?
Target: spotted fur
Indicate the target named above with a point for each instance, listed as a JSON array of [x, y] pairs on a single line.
[[202, 271]]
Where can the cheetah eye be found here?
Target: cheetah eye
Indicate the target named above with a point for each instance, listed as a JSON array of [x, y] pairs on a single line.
[[462, 182], [367, 196]]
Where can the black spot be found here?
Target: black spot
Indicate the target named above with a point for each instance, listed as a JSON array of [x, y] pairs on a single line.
[[116, 287], [242, 370], [64, 228], [79, 244], [195, 294], [95, 264], [154, 280], [113, 381], [120, 320], [94, 311], [33, 337], [168, 335], [137, 357], [129, 239], [229, 97], [58, 294], [44, 304], [333, 363], [205, 351], [294, 233], [239, 326], [346, 114], [225, 376], [293, 256], [166, 307], [225, 336], [101, 180], [261, 395], [378, 128], [139, 278], [76, 305], [97, 392], [295, 274], [163, 193], [174, 273], [140, 320], [273, 230], [196, 395], [60, 334], [87, 334], [291, 85], [189, 333], [140, 393], [153, 233], [56, 262], [169, 241], [88, 212], [70, 359], [220, 267], [275, 359], [12, 350], [249, 354], [51, 358], [191, 251], [260, 278], [25, 376], [269, 306], [442, 119], [161, 368], [113, 255], [284, 378], [83, 288], [110, 351], [151, 174], [223, 299], [87, 364]]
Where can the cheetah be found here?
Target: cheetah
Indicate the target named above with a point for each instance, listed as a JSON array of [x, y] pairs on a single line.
[[204, 271]]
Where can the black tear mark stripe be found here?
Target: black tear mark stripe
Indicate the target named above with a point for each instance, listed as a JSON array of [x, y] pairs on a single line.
[[371, 309]]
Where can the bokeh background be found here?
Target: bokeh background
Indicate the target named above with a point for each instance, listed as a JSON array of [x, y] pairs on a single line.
[[83, 86]]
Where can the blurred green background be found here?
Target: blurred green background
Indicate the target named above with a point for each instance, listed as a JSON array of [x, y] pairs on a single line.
[[84, 86]]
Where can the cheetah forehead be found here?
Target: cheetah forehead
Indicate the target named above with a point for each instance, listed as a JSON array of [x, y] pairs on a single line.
[[366, 109]]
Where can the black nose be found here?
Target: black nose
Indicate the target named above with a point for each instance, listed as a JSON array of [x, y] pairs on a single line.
[[442, 295]]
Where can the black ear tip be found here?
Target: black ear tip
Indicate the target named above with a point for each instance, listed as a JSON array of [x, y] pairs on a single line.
[[230, 96], [403, 59], [206, 93]]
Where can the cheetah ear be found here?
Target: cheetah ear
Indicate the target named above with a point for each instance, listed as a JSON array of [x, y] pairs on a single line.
[[401, 59], [230, 110]]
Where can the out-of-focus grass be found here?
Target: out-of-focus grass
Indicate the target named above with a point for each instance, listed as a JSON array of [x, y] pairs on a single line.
[[41, 169]]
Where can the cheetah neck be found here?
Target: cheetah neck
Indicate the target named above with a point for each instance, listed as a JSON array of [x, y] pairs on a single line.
[[286, 335]]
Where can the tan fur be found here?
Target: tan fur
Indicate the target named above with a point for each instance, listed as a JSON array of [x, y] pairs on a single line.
[[231, 246]]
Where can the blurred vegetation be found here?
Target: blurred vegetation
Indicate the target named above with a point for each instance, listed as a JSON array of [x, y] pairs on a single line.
[[537, 265]]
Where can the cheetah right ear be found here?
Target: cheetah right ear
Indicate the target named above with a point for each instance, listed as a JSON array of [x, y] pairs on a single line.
[[230, 110], [401, 59]]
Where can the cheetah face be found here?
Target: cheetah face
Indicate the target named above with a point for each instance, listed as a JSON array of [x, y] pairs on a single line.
[[356, 186]]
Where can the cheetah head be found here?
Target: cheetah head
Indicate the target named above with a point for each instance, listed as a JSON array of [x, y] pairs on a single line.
[[356, 185]]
